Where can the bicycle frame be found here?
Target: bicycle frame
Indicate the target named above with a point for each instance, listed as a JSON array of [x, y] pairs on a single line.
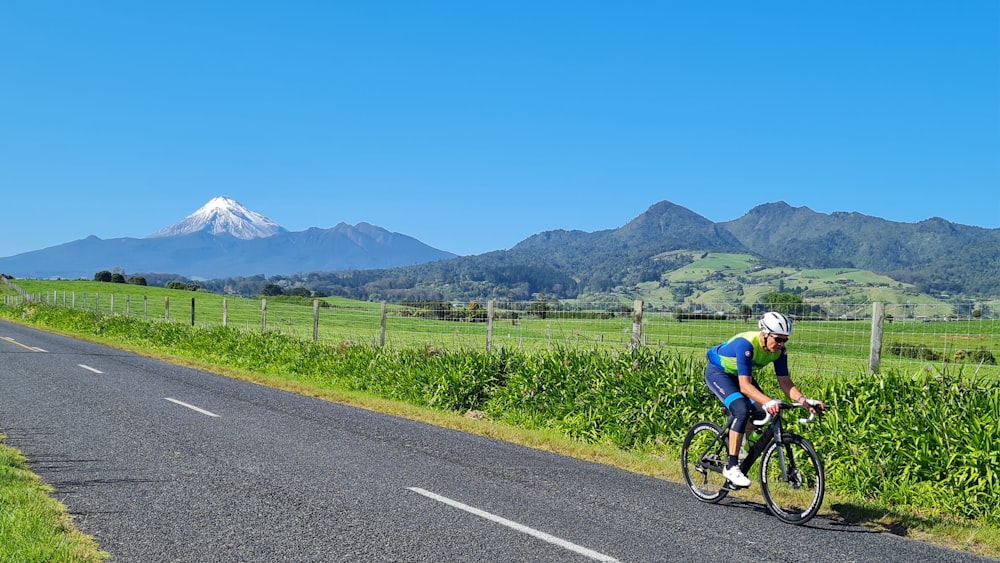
[[769, 433], [770, 430]]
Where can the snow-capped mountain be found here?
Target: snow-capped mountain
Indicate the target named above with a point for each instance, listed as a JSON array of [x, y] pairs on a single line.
[[225, 239], [223, 215]]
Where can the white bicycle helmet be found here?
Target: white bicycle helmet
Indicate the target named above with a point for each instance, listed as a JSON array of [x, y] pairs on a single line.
[[775, 323]]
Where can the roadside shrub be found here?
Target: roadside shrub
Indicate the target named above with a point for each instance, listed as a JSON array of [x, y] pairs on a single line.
[[632, 399], [979, 356], [928, 439], [914, 351]]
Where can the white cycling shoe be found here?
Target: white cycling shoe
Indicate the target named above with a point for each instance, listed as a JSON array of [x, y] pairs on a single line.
[[736, 477]]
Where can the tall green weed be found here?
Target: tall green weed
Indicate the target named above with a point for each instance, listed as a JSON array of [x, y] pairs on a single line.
[[929, 440], [631, 399]]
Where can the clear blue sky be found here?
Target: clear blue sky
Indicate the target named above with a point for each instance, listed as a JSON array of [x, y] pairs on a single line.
[[472, 125]]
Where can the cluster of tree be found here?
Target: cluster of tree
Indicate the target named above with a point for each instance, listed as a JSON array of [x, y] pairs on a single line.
[[186, 286], [443, 311], [453, 280], [790, 304], [437, 309], [271, 289], [161, 280], [117, 276]]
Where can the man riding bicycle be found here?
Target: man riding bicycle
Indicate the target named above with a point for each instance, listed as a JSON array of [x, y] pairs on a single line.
[[730, 375]]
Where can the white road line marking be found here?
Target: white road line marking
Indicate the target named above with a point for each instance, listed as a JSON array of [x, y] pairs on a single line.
[[25, 346], [88, 368], [192, 407], [519, 527]]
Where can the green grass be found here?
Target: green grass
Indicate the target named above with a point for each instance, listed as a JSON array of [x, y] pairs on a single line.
[[630, 409], [33, 525]]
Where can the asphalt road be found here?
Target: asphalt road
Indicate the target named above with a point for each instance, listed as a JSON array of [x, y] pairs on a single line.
[[165, 463]]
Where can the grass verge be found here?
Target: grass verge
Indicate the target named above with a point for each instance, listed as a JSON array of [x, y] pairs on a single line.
[[33, 525], [654, 462]]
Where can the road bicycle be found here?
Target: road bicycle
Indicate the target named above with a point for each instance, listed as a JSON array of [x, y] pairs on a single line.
[[791, 476]]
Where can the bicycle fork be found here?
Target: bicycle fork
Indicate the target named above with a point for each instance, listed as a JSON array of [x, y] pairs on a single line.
[[773, 434]]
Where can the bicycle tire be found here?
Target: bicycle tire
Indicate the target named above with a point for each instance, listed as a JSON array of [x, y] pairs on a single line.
[[702, 468], [797, 499]]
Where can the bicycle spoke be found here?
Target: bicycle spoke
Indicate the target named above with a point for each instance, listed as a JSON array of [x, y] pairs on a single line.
[[702, 460], [795, 494]]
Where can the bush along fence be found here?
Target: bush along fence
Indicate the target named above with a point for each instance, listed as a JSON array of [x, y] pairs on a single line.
[[925, 436], [828, 338]]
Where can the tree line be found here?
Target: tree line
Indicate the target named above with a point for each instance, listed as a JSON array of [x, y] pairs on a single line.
[[117, 276]]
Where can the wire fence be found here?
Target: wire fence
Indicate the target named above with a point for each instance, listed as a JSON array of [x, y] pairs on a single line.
[[830, 339]]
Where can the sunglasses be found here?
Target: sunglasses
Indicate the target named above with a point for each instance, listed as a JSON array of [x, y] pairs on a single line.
[[781, 339]]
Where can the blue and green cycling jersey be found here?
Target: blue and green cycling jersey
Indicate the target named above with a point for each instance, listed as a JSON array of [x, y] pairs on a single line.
[[743, 354]]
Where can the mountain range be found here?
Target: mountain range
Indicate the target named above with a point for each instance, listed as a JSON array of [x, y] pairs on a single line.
[[935, 256], [223, 239]]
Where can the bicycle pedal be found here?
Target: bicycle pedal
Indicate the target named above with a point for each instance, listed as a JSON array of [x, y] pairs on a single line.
[[729, 486]]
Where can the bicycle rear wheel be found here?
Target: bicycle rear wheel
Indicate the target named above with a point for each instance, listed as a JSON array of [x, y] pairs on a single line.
[[795, 495], [703, 457]]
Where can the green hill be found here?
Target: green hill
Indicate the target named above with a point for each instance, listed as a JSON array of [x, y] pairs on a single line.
[[711, 278]]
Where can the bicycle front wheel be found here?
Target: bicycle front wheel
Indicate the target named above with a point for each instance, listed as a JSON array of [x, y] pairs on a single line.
[[703, 457], [794, 492]]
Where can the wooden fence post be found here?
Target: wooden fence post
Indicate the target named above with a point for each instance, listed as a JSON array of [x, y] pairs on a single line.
[[166, 308], [315, 320], [875, 352], [489, 325], [382, 323], [636, 339], [263, 315], [225, 311], [192, 311]]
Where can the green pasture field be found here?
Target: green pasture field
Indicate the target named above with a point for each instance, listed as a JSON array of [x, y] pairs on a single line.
[[846, 274], [727, 278], [818, 348], [708, 263], [908, 450]]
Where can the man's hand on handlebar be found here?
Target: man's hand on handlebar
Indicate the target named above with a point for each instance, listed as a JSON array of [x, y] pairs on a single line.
[[815, 406], [772, 406]]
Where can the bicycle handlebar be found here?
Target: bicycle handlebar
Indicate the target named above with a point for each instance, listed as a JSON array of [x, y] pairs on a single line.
[[814, 410]]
